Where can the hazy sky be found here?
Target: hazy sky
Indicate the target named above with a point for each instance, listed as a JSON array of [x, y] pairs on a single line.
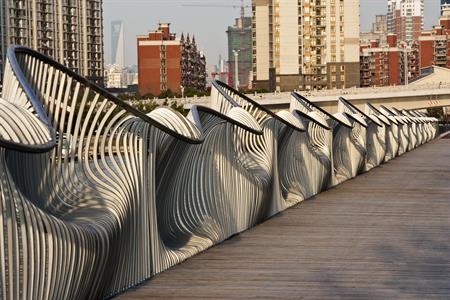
[[207, 23]]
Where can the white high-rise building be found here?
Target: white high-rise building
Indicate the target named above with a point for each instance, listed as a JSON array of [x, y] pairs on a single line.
[[405, 19], [117, 44], [70, 31], [305, 44]]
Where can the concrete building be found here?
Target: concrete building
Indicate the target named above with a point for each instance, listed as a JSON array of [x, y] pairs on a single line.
[[405, 19], [305, 45], [388, 64], [167, 63], [131, 77], [380, 24], [117, 44], [434, 45], [120, 78], [240, 41], [69, 31], [115, 77], [378, 31]]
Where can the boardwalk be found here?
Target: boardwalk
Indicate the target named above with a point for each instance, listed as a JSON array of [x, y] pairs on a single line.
[[383, 235]]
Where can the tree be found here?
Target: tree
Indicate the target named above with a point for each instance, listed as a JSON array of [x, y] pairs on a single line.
[[436, 112], [167, 94]]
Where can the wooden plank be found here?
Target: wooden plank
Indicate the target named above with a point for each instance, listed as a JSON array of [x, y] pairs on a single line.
[[383, 235]]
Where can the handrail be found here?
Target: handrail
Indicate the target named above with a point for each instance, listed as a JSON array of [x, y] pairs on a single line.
[[299, 97], [14, 50], [222, 86]]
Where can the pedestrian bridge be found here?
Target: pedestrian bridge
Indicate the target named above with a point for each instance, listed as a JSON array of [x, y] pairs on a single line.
[[382, 235], [97, 197], [401, 97], [409, 97]]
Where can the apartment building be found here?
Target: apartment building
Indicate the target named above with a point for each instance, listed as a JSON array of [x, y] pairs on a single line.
[[193, 65], [391, 63], [305, 44], [378, 31], [70, 31], [405, 19], [168, 63], [434, 45]]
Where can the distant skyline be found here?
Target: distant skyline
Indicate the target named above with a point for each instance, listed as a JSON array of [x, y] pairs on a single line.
[[208, 24]]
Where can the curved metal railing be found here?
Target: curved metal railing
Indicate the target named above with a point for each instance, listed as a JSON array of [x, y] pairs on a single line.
[[97, 197]]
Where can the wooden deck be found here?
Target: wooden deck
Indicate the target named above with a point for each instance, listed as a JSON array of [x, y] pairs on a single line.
[[383, 235]]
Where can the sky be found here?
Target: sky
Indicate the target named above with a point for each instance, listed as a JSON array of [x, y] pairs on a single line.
[[208, 24]]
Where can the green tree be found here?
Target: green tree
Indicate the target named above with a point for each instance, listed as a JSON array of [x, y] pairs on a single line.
[[436, 112]]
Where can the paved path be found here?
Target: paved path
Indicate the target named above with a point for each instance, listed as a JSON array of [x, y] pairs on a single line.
[[383, 235]]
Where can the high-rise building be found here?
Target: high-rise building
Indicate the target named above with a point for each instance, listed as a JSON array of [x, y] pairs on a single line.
[[193, 65], [168, 63], [434, 45], [380, 24], [378, 31], [405, 19], [240, 46], [393, 13], [308, 44], [70, 31], [220, 71], [390, 63], [117, 44], [115, 77]]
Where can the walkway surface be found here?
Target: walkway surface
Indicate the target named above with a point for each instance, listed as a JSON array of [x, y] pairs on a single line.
[[383, 235]]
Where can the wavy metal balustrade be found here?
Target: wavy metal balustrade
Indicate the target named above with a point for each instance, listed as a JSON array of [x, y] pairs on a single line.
[[78, 219], [366, 136], [97, 197], [341, 140]]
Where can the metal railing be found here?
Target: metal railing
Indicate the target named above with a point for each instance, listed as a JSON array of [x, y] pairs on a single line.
[[97, 197]]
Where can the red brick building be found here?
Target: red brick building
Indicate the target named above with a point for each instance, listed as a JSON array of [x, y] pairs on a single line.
[[388, 64], [167, 63], [434, 45], [402, 58]]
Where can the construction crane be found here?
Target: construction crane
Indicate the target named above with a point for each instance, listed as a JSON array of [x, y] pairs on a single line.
[[242, 31], [242, 6]]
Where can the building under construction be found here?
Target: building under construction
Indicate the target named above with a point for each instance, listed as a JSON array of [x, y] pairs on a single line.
[[70, 31], [240, 42]]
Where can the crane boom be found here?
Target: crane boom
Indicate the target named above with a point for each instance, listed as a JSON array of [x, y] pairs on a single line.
[[242, 6]]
